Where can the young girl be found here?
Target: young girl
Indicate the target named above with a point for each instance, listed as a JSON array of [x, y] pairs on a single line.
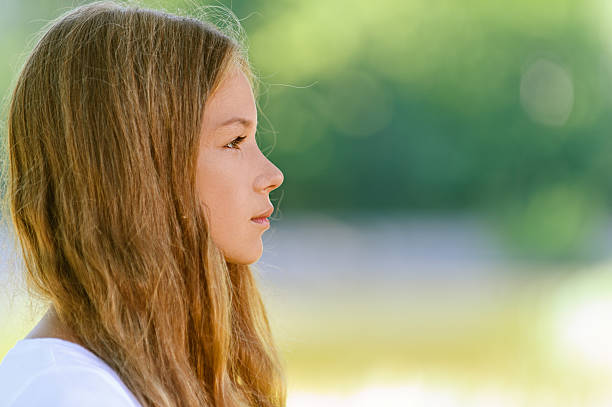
[[139, 196]]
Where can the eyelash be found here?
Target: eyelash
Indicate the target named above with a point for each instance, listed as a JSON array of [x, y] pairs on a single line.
[[235, 143]]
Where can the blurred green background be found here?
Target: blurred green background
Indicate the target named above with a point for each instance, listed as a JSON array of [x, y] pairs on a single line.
[[445, 217]]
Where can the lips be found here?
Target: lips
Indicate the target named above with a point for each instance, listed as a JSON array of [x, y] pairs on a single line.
[[261, 221], [263, 215]]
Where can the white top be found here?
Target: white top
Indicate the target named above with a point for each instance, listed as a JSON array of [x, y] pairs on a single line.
[[56, 373]]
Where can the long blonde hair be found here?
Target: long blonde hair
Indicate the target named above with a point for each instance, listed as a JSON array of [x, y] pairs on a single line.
[[103, 133]]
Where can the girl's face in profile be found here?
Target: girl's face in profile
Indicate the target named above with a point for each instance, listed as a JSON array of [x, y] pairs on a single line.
[[234, 178]]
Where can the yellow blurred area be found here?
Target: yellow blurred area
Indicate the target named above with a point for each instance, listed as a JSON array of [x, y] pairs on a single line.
[[422, 341]]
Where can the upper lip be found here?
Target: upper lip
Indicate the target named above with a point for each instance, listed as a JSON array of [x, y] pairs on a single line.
[[265, 214]]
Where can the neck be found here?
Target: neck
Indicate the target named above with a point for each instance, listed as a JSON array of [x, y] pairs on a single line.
[[50, 326]]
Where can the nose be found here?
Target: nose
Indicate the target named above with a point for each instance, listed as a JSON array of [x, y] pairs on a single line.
[[270, 178]]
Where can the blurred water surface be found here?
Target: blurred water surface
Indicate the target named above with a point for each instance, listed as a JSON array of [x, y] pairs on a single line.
[[421, 307]]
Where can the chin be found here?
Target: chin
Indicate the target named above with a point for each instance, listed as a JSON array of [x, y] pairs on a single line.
[[243, 252], [244, 258], [241, 262]]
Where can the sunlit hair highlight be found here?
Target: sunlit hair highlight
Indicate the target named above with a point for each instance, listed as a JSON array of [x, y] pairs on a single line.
[[103, 136]]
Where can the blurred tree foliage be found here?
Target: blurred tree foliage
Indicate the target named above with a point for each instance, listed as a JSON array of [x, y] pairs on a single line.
[[479, 106]]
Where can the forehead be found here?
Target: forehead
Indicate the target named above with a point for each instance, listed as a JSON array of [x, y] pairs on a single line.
[[233, 98]]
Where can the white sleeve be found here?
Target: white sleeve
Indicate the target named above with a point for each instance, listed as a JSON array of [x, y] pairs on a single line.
[[72, 387]]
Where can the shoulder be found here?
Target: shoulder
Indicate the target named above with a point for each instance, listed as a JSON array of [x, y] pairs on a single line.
[[69, 387], [59, 374]]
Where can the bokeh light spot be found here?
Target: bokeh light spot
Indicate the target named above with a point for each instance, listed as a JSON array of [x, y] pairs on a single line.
[[547, 92]]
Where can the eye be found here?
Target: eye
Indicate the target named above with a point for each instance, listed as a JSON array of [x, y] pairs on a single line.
[[233, 145]]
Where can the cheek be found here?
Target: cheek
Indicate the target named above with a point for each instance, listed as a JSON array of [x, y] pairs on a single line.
[[224, 195], [215, 193]]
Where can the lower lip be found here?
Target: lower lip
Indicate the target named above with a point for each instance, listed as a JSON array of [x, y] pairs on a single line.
[[261, 221]]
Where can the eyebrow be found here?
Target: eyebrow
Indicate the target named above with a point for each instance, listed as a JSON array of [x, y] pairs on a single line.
[[240, 120]]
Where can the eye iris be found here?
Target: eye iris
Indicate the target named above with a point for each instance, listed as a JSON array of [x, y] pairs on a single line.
[[235, 142]]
